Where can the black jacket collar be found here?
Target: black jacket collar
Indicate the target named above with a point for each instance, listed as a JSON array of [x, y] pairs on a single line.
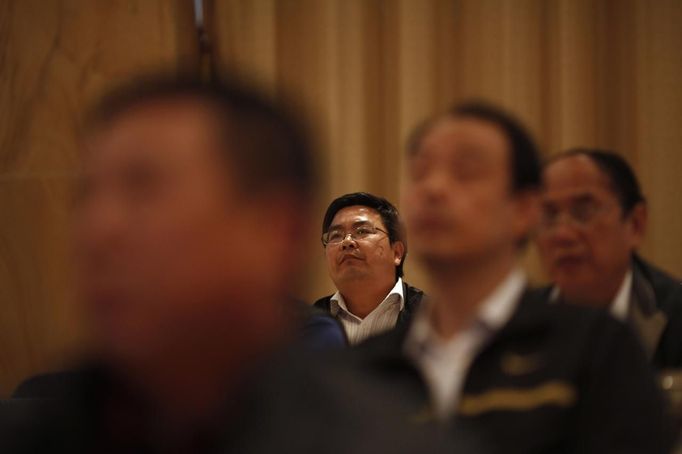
[[412, 295]]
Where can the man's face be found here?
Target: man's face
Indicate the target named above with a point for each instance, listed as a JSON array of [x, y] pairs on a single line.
[[585, 241], [458, 202], [357, 260], [166, 246]]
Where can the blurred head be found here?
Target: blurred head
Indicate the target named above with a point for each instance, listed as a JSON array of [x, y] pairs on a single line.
[[471, 191], [363, 240], [593, 219], [189, 214]]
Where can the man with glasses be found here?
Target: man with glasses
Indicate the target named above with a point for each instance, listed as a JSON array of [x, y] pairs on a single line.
[[594, 219], [365, 248]]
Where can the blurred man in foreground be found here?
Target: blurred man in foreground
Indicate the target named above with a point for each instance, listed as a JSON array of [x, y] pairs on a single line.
[[485, 354], [594, 218], [365, 247], [188, 234]]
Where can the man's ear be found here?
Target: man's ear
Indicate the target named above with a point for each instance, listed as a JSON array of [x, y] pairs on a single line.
[[528, 213], [285, 234], [637, 221], [398, 248]]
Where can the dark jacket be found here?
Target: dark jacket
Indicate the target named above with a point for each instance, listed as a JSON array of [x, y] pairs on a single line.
[[413, 298], [665, 299], [554, 379], [297, 403], [655, 314], [320, 331]]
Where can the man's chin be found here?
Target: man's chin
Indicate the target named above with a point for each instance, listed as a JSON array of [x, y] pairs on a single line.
[[571, 277], [445, 251], [575, 288], [125, 347], [437, 259], [351, 273]]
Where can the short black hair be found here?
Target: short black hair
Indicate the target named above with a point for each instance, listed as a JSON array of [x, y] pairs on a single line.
[[525, 157], [389, 216], [622, 179], [265, 143]]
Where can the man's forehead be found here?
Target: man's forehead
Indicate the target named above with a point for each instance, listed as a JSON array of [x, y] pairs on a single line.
[[464, 134], [150, 129], [574, 174], [162, 113], [355, 213]]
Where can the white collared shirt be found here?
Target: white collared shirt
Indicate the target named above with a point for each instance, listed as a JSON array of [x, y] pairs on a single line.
[[621, 303], [444, 363], [381, 319], [620, 306]]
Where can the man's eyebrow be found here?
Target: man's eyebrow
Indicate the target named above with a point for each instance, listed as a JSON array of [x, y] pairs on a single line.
[[582, 198], [472, 152], [354, 224]]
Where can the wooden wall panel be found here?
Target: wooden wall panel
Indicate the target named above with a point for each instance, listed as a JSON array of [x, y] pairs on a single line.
[[55, 56], [339, 61], [38, 319], [244, 38], [658, 93]]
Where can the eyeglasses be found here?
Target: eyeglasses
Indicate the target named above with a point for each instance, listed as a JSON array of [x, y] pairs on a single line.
[[359, 232], [579, 214]]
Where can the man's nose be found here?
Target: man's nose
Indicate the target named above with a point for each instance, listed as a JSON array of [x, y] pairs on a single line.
[[100, 226], [348, 242], [435, 185], [562, 232]]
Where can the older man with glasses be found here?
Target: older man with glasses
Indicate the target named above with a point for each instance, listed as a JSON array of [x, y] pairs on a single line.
[[594, 219], [365, 248]]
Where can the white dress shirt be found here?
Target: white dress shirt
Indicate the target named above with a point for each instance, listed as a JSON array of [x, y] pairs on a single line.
[[621, 303], [381, 319], [620, 306], [444, 363]]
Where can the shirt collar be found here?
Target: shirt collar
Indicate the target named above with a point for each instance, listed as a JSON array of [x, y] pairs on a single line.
[[620, 305], [494, 312], [338, 303]]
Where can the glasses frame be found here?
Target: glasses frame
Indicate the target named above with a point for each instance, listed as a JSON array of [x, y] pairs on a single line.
[[572, 219], [325, 243]]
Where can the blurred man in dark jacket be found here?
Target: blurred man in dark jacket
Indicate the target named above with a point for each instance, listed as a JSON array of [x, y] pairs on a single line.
[[486, 355], [189, 229], [593, 220]]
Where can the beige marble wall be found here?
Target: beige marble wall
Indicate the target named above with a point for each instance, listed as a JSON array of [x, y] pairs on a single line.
[[579, 72]]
